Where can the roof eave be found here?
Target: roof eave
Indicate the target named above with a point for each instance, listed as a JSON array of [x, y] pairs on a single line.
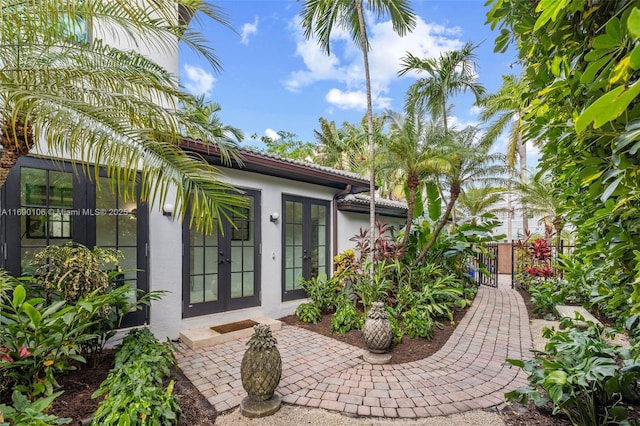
[[255, 162]]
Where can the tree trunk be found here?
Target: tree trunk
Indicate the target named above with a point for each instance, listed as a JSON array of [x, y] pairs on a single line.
[[411, 202], [16, 139], [455, 193], [522, 154], [371, 139]]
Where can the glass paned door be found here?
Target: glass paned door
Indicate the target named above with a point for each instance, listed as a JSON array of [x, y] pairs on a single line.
[[50, 203], [304, 243], [116, 226], [45, 212], [221, 269]]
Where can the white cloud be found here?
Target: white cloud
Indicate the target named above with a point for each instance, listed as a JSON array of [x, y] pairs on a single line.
[[475, 110], [248, 30], [356, 99], [272, 134], [197, 81], [344, 64]]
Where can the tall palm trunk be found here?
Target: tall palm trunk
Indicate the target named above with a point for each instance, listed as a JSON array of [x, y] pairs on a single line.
[[16, 138], [412, 183], [522, 154], [455, 193], [370, 136]]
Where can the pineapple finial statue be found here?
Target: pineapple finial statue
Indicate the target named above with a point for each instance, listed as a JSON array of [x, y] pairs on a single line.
[[377, 335], [260, 372]]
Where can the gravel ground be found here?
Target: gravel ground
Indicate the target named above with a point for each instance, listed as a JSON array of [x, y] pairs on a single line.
[[290, 415]]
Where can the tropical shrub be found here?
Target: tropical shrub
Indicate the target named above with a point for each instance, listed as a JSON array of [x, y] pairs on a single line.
[[308, 312], [546, 294], [396, 330], [581, 375], [377, 291], [39, 339], [322, 291], [133, 388], [346, 317], [417, 322], [23, 412], [384, 248], [71, 271]]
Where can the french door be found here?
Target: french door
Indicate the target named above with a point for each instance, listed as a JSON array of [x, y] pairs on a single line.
[[221, 270], [46, 203], [305, 243]]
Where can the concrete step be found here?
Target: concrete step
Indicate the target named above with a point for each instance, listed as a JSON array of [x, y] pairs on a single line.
[[200, 337]]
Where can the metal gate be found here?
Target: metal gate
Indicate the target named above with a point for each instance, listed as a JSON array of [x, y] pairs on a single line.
[[486, 272]]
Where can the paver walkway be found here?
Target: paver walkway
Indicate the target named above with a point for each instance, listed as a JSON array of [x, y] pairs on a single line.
[[468, 373]]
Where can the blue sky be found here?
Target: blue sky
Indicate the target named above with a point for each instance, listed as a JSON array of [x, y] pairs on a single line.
[[274, 79]]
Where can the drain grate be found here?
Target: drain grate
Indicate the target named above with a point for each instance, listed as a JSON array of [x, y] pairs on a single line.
[[233, 326]]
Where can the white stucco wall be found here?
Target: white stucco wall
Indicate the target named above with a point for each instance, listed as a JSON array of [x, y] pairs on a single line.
[[165, 264]]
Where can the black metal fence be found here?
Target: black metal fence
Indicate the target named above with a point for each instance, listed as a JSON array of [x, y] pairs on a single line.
[[486, 266]]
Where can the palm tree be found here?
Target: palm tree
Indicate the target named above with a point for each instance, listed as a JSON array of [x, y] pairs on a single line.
[[542, 199], [451, 73], [64, 92], [319, 17], [411, 152], [468, 162], [344, 148], [205, 113], [507, 108], [474, 201]]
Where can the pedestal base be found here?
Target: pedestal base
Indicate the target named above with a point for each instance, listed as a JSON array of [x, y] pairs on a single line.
[[254, 409], [373, 358]]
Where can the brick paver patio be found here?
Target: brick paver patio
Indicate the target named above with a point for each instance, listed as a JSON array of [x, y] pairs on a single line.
[[468, 373]]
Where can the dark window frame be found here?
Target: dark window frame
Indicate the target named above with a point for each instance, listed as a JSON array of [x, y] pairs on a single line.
[[83, 226], [224, 301], [296, 294]]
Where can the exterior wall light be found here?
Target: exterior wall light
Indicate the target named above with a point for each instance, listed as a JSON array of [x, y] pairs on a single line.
[[274, 217], [167, 209]]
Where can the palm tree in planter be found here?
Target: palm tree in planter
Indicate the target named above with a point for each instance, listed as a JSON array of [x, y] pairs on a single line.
[[319, 17], [467, 162], [65, 90]]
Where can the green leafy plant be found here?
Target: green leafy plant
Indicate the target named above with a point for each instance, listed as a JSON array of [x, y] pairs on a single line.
[[30, 413], [72, 271], [417, 323], [308, 312], [546, 294], [377, 291], [346, 317], [133, 388], [37, 339], [322, 291], [438, 296], [581, 375], [396, 330]]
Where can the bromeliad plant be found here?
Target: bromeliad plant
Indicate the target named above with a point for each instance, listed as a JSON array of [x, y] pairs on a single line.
[[581, 375]]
